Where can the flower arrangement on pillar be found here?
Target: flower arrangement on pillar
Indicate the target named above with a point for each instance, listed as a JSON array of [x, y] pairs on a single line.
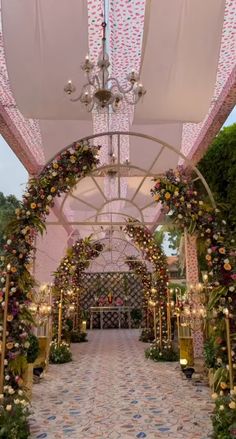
[[158, 293], [185, 206], [16, 283]]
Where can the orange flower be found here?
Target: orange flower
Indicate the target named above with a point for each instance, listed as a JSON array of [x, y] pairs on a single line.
[[53, 189], [13, 269], [222, 250], [33, 205], [167, 195], [227, 266], [208, 257], [9, 317], [10, 345], [157, 197], [55, 166]]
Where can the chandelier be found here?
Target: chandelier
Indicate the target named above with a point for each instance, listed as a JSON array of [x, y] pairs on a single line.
[[101, 90]]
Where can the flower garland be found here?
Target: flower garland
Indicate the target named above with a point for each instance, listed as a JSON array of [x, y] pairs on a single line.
[[185, 206], [68, 275], [145, 241], [58, 177]]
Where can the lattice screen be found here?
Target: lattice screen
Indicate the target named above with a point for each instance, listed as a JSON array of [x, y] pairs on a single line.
[[126, 286]]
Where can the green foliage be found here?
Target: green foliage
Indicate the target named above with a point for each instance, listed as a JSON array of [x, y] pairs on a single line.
[[14, 423], [224, 417], [8, 204], [18, 365], [60, 354], [159, 236], [33, 350], [210, 352], [218, 166], [155, 354], [78, 337], [147, 335], [136, 316]]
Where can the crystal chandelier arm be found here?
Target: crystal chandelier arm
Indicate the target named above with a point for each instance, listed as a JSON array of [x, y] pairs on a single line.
[[135, 100], [120, 88], [84, 88], [93, 80]]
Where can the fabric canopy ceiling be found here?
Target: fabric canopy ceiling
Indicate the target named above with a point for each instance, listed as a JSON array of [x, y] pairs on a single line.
[[180, 57], [46, 42]]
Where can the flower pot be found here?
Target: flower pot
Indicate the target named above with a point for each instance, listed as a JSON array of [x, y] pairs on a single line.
[[28, 379]]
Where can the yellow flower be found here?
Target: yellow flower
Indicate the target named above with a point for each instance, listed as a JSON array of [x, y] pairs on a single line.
[[232, 405], [157, 197], [223, 385], [167, 195], [53, 189], [33, 205], [72, 159], [55, 166], [214, 396], [10, 345], [227, 267]]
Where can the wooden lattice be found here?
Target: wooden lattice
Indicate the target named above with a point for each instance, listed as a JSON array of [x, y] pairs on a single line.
[[126, 286]]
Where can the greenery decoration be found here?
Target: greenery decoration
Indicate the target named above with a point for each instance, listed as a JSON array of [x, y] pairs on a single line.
[[218, 166], [165, 354], [147, 335], [157, 283], [60, 353], [33, 350], [57, 177], [210, 352], [67, 280], [184, 205], [14, 413], [224, 416], [78, 337], [136, 316]]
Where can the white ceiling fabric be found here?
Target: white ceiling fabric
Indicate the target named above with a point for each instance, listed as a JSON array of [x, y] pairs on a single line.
[[180, 54], [45, 41]]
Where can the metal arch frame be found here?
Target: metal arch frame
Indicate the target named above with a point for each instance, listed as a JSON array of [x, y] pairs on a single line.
[[146, 173], [143, 136]]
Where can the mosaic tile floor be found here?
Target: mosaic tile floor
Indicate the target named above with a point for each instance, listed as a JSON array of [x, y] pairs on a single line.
[[110, 391]]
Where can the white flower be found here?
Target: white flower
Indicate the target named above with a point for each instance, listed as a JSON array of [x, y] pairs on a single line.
[[1, 396], [221, 407], [226, 261], [180, 216], [9, 242], [7, 377], [5, 362], [11, 391], [27, 344], [231, 289], [17, 345], [3, 280], [20, 392], [8, 408], [16, 401], [49, 197], [214, 396]]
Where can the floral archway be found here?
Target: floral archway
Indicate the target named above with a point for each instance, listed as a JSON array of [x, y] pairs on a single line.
[[184, 204], [17, 282]]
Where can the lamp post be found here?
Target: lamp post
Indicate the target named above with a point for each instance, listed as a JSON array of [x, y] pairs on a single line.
[[4, 333]]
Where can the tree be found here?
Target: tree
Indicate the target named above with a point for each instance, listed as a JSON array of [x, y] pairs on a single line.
[[8, 204], [218, 166]]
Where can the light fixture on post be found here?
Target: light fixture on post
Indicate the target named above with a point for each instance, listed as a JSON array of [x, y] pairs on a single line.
[[102, 91]]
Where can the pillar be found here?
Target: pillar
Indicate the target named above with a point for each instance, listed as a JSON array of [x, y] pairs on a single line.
[[193, 278]]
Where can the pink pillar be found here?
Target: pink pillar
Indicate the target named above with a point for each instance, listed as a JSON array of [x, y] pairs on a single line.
[[192, 278]]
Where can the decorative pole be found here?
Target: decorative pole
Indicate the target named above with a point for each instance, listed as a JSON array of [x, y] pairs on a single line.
[[168, 316], [155, 323], [160, 327], [231, 380], [4, 333], [59, 320]]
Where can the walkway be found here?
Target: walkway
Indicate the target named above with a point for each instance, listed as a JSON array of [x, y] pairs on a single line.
[[110, 391]]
